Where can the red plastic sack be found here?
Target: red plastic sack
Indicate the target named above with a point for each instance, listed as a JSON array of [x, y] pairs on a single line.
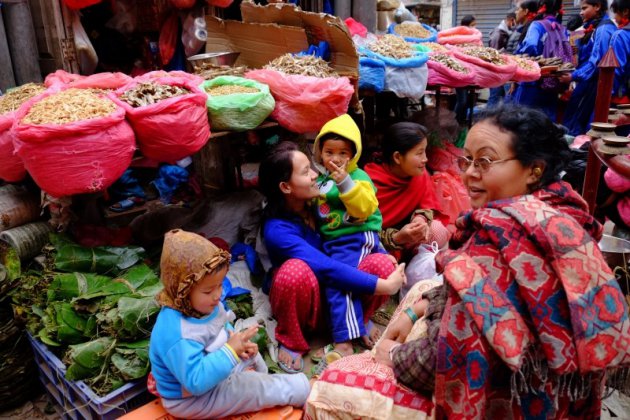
[[219, 3], [173, 128], [356, 28], [443, 159], [168, 38], [439, 74], [80, 4], [75, 158], [488, 75], [452, 195], [523, 75], [305, 103], [11, 165], [183, 4], [460, 35]]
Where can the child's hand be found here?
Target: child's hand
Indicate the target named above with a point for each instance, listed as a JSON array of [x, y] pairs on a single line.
[[337, 173], [239, 341]]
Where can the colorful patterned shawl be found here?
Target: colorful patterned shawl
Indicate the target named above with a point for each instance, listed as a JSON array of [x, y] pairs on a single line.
[[534, 319]]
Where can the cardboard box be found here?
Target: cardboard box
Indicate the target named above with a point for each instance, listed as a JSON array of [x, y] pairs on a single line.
[[268, 32]]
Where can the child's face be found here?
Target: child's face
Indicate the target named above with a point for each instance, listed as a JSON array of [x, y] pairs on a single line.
[[336, 151], [206, 293]]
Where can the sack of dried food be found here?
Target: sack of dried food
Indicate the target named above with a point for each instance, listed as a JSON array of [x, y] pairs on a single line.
[[446, 70], [406, 72], [236, 103], [460, 35], [492, 69], [73, 141], [168, 116], [103, 80], [371, 74], [413, 31], [170, 75], [307, 91], [11, 165], [526, 70]]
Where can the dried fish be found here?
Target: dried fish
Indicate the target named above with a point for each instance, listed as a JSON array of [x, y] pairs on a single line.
[[209, 71], [150, 93], [306, 65], [230, 90], [449, 62], [435, 47], [69, 106], [489, 55], [412, 30], [14, 98], [542, 61], [392, 46], [525, 63]]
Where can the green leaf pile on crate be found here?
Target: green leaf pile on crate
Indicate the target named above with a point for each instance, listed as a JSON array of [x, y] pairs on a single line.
[[93, 307]]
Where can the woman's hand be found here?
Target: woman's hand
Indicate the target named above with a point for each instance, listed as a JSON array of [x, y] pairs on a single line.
[[393, 283], [413, 233], [400, 329], [239, 341], [382, 349]]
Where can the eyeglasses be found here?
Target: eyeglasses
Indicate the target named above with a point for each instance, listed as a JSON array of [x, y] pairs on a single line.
[[481, 164]]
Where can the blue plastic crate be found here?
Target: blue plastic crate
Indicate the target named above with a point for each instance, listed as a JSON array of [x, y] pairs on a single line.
[[76, 398]]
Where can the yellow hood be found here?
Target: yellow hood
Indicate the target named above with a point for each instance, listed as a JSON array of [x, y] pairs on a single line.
[[345, 127]]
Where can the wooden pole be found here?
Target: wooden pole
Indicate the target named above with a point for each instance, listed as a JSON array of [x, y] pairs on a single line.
[[7, 79], [607, 67], [365, 12], [22, 42]]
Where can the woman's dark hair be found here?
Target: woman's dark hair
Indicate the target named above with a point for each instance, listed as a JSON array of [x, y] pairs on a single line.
[[535, 138], [532, 7], [275, 168], [552, 7], [618, 6], [603, 5], [467, 20], [402, 137], [574, 22]]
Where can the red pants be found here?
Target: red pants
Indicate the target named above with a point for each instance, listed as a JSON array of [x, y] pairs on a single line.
[[296, 304]]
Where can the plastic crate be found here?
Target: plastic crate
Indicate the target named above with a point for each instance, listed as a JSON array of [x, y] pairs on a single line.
[[76, 398]]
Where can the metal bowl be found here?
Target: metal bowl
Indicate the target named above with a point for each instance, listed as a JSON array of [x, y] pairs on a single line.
[[227, 58]]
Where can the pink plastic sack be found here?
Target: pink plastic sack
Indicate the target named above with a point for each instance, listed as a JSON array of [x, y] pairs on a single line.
[[61, 77], [460, 35], [156, 75], [170, 129], [443, 159], [305, 103], [452, 195], [439, 74], [488, 75], [11, 165], [523, 74], [356, 28], [75, 158], [101, 81]]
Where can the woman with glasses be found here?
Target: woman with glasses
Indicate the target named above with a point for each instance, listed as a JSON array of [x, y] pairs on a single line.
[[530, 321]]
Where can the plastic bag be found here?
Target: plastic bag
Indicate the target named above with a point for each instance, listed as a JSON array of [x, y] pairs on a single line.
[[170, 129], [61, 78], [157, 75], [80, 4], [356, 28], [452, 195], [75, 158], [239, 111], [443, 159], [524, 75], [305, 103], [431, 38], [11, 165], [183, 4], [194, 33], [460, 35], [371, 74], [168, 38], [219, 3], [85, 51], [101, 81], [488, 75], [406, 77], [439, 74], [421, 267]]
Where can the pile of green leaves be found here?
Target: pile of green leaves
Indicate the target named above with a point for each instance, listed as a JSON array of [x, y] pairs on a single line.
[[94, 307]]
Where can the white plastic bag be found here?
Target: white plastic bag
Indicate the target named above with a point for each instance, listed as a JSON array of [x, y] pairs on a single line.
[[421, 267], [407, 82]]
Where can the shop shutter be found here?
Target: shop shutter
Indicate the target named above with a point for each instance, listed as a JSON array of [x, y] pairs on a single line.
[[489, 13]]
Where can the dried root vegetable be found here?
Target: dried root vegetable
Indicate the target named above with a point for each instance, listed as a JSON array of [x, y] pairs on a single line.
[[14, 98], [230, 90], [449, 62], [435, 47], [69, 106], [392, 46], [150, 93], [306, 65], [412, 30], [489, 55]]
